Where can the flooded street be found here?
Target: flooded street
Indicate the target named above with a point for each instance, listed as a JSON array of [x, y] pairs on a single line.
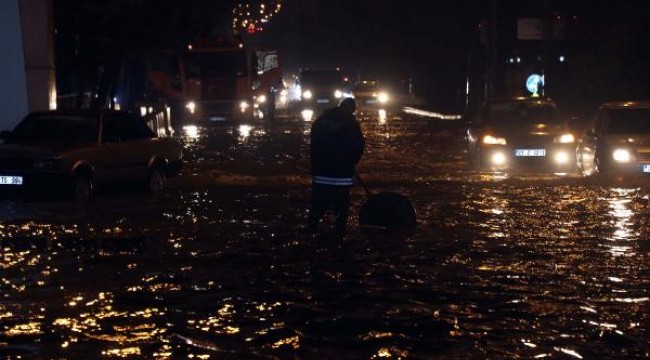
[[219, 266]]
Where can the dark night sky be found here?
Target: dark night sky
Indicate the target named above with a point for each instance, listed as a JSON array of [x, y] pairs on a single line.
[[431, 41], [374, 38]]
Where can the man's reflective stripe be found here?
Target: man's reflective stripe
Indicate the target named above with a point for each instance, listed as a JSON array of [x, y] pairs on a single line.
[[333, 181]]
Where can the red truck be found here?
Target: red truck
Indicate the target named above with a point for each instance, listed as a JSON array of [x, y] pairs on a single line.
[[216, 79]]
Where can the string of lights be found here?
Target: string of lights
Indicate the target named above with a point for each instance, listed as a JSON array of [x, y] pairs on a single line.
[[254, 16]]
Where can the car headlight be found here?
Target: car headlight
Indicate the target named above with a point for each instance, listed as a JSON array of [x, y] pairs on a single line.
[[46, 164], [261, 99], [564, 139], [622, 155], [493, 140], [307, 114], [307, 94], [382, 97], [191, 106], [243, 106], [499, 158], [562, 157], [338, 94]]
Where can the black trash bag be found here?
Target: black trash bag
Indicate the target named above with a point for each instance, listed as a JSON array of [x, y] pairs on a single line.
[[388, 210]]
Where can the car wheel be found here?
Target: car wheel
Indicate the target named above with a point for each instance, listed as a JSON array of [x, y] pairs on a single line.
[[157, 180], [82, 188]]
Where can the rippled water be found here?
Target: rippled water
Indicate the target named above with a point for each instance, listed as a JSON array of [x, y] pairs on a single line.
[[519, 266]]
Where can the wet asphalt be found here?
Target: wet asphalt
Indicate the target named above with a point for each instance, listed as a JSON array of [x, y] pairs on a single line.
[[219, 266]]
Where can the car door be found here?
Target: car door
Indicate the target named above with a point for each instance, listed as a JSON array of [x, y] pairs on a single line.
[[131, 139], [112, 136]]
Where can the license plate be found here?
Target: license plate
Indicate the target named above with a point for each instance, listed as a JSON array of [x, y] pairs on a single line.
[[371, 102], [530, 152], [646, 168], [323, 101], [11, 180], [217, 118]]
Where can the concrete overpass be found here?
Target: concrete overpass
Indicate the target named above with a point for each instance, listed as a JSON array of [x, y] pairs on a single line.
[[27, 73]]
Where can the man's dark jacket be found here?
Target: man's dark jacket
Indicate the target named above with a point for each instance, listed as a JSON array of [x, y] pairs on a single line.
[[337, 144]]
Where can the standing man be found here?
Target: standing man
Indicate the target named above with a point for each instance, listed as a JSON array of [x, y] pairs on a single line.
[[337, 145]]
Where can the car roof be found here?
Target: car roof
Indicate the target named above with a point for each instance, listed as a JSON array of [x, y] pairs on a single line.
[[81, 112], [626, 104]]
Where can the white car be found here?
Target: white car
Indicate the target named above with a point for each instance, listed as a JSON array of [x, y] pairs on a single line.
[[617, 140], [515, 134]]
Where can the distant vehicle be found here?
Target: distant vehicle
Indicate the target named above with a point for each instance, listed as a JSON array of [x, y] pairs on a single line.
[[520, 133], [211, 81], [617, 140], [76, 151], [370, 95], [320, 89], [267, 85]]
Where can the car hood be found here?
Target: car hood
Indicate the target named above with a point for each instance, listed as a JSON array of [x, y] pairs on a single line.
[[34, 150], [639, 140], [367, 93], [321, 87], [529, 129]]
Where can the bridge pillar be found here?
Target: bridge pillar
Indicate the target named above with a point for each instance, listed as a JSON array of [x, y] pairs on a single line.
[[27, 75]]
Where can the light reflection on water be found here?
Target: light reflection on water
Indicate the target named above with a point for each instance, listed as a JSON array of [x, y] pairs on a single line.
[[244, 132], [499, 267], [623, 221]]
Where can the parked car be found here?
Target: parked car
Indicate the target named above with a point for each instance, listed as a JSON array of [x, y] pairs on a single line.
[[617, 140], [79, 151], [520, 134]]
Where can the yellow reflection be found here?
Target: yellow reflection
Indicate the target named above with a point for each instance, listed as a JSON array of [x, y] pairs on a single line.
[[230, 330], [244, 132], [623, 224], [568, 352], [226, 310], [293, 341], [125, 352], [191, 132], [8, 314], [383, 116], [385, 353], [528, 343], [31, 328]]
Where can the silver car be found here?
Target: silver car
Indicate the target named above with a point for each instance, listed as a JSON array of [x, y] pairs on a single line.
[[520, 134], [617, 140]]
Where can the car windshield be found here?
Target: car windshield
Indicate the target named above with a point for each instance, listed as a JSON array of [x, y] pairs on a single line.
[[56, 129], [216, 64], [628, 121], [521, 112], [366, 86], [324, 78]]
